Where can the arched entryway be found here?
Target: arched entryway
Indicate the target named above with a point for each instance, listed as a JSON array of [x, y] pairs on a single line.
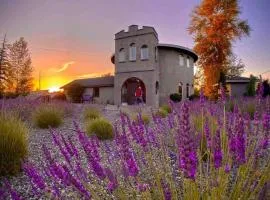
[[128, 90]]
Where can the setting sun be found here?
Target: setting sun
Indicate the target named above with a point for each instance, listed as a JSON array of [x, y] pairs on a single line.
[[54, 89]]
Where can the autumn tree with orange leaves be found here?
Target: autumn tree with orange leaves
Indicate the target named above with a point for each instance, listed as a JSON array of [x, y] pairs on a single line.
[[215, 25]]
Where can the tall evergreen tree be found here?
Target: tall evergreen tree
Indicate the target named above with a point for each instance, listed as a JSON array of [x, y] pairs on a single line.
[[4, 66], [215, 25], [21, 65]]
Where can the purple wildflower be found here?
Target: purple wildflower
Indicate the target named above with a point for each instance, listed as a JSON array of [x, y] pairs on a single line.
[[14, 195], [227, 168], [187, 151], [34, 175], [217, 150], [113, 183], [142, 187], [166, 191]]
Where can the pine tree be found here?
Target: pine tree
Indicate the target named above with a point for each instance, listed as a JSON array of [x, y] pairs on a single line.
[[4, 66], [215, 25], [21, 65]]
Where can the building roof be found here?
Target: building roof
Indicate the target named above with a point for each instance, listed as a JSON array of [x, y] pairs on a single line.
[[107, 81], [180, 48], [238, 79]]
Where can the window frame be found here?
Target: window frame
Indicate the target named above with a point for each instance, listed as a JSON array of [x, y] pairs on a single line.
[[96, 92], [144, 49], [187, 90], [188, 62], [181, 60], [131, 48]]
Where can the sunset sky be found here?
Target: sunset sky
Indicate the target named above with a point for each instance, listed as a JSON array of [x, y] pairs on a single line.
[[70, 39]]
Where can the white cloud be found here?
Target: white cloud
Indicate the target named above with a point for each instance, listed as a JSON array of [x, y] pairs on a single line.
[[63, 68]]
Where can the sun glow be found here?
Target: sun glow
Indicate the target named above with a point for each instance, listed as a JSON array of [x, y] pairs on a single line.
[[54, 89]]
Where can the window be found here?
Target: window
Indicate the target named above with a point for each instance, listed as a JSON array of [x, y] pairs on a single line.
[[181, 60], [144, 52], [188, 62], [132, 52], [156, 53], [96, 92], [122, 55], [187, 90], [180, 89], [157, 87]]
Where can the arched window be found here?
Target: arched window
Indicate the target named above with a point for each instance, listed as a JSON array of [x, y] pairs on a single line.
[[122, 55], [144, 52], [180, 89], [157, 87], [187, 92], [132, 52]]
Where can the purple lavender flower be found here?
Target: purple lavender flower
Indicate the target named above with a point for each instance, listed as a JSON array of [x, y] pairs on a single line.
[[142, 187], [217, 150], [166, 191], [207, 134], [34, 175], [14, 195], [237, 140], [187, 151], [202, 98], [227, 168], [113, 183]]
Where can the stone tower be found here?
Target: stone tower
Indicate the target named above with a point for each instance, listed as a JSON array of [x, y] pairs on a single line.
[[136, 64]]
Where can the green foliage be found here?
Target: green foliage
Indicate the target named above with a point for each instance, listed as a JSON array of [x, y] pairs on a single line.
[[102, 128], [47, 116], [75, 92], [167, 108], [161, 113], [249, 108], [13, 144], [90, 113], [176, 97], [145, 118], [251, 90]]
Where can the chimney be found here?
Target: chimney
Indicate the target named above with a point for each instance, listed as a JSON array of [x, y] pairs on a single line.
[[133, 28]]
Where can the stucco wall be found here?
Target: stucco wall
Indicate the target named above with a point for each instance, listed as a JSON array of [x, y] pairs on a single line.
[[237, 89], [105, 95], [171, 73]]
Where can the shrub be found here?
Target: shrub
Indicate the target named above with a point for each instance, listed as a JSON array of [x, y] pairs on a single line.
[[13, 144], [145, 118], [166, 108], [91, 113], [161, 113], [59, 96], [75, 92], [249, 108], [101, 128], [48, 116], [176, 97]]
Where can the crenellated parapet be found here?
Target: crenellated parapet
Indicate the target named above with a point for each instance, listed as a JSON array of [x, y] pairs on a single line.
[[134, 30]]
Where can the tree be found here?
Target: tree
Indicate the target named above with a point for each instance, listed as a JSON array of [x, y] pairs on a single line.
[[266, 88], [251, 90], [215, 25], [235, 67], [21, 64], [4, 66], [75, 92]]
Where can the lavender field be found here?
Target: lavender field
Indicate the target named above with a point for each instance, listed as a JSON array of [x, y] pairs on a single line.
[[198, 150]]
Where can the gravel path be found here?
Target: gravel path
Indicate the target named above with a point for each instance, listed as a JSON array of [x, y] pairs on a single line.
[[38, 137]]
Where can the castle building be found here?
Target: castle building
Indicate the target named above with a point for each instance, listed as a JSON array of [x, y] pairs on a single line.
[[140, 60]]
